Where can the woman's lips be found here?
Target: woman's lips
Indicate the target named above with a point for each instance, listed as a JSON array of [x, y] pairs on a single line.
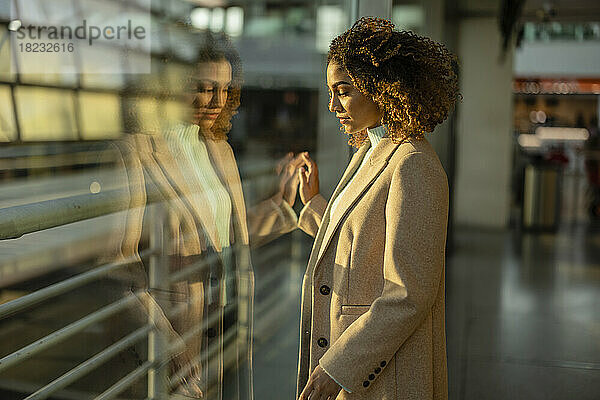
[[201, 116], [344, 120]]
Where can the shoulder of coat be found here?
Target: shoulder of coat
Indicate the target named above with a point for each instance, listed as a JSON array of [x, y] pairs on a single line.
[[414, 146], [421, 148]]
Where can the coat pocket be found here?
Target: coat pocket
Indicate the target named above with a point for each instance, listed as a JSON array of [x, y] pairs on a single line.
[[355, 310]]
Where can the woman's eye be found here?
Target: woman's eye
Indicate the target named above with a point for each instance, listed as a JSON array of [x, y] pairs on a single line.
[[339, 94]]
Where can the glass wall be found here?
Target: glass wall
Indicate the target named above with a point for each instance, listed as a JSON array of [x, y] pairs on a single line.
[[148, 245]]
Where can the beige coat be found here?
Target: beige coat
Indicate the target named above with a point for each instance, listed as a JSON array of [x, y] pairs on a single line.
[[373, 296]]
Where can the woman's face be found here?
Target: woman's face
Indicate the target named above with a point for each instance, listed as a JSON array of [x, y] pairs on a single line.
[[211, 86], [355, 111]]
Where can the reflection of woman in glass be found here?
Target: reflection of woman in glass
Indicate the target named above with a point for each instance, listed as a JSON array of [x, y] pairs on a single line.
[[190, 168], [206, 159], [372, 324]]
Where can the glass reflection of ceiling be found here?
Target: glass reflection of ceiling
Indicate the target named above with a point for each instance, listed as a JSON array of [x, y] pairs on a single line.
[[100, 115], [45, 114], [92, 65], [44, 12], [7, 121], [7, 66]]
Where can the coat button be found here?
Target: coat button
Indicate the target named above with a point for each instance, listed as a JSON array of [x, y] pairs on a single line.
[[382, 364], [366, 383], [371, 377], [377, 370], [322, 342], [325, 290]]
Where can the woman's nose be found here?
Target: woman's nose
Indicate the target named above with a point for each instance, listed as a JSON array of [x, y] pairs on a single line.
[[220, 97], [334, 104]]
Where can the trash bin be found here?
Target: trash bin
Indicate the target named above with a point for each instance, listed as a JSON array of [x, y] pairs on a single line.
[[541, 197]]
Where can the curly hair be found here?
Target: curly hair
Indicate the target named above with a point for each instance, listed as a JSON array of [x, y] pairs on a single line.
[[412, 79]]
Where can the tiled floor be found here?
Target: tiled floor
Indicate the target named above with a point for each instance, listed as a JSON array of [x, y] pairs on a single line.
[[523, 315], [523, 320]]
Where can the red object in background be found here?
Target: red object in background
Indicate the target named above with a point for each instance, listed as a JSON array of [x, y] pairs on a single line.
[[532, 85], [557, 157]]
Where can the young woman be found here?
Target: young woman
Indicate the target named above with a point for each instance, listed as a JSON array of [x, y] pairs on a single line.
[[372, 320]]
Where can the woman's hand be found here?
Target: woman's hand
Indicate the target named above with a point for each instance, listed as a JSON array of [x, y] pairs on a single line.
[[309, 178], [320, 386], [189, 385], [288, 179]]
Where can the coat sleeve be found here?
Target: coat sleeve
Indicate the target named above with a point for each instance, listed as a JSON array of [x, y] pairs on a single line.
[[416, 219], [312, 214], [268, 220]]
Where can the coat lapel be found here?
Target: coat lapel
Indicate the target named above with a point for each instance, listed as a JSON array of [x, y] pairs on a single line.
[[350, 169], [357, 187]]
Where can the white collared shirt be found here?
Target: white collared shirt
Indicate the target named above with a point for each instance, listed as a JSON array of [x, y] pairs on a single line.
[[186, 144]]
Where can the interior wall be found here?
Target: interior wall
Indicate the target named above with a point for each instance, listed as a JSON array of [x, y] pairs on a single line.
[[558, 58], [484, 122]]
